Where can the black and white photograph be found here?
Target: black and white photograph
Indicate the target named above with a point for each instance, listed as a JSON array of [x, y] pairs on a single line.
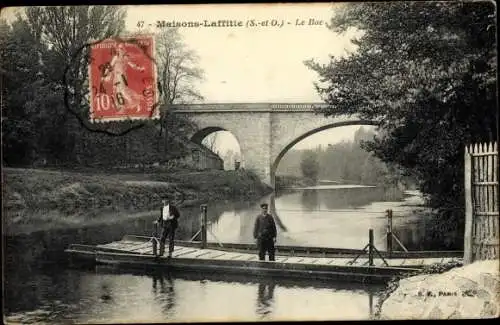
[[256, 162]]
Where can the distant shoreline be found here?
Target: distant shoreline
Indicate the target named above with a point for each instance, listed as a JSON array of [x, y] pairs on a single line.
[[328, 187]]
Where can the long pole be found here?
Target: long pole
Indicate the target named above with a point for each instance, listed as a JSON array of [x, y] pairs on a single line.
[[370, 247], [389, 232], [203, 217]]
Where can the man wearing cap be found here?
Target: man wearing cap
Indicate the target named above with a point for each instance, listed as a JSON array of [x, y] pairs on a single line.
[[168, 220], [265, 233]]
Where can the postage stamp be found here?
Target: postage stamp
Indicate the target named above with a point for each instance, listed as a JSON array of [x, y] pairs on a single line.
[[122, 79]]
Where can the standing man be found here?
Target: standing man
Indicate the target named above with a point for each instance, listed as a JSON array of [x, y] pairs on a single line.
[[265, 233], [168, 221]]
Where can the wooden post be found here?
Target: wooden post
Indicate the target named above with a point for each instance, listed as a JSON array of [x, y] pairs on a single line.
[[370, 247], [468, 207], [155, 240], [203, 217], [389, 232]]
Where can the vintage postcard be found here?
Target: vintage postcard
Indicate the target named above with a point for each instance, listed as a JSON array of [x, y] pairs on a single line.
[[168, 163]]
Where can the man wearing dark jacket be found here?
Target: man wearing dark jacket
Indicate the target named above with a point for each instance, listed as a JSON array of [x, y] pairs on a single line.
[[168, 220], [265, 233]]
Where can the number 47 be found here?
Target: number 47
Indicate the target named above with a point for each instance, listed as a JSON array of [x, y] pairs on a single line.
[[140, 24]]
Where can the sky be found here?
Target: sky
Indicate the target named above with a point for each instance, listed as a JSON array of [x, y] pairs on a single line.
[[259, 63], [245, 64], [256, 64]]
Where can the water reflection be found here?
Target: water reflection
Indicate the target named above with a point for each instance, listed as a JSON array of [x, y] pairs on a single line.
[[330, 217], [309, 200], [193, 296], [326, 217], [272, 209], [109, 295], [306, 217], [265, 298], [164, 291]]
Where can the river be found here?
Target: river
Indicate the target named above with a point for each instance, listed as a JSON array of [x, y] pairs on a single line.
[[41, 288]]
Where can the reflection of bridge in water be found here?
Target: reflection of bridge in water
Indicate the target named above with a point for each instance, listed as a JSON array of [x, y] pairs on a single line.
[[235, 226], [265, 131]]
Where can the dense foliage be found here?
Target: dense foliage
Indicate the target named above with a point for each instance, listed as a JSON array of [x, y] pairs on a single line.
[[45, 106], [427, 72], [309, 165], [344, 162]]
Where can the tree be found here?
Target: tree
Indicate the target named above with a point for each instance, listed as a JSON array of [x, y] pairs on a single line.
[[309, 165], [177, 68], [50, 42], [46, 102], [69, 30], [427, 72], [31, 119], [178, 73], [19, 71]]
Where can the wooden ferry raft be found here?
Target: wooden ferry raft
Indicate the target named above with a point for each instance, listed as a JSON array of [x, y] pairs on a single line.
[[298, 262]]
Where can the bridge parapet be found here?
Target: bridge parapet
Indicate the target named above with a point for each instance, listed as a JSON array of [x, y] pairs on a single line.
[[247, 107]]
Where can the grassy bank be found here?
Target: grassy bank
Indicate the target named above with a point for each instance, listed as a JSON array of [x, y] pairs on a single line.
[[36, 196]]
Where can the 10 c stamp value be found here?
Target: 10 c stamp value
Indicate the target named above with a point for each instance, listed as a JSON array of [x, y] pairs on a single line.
[[123, 79]]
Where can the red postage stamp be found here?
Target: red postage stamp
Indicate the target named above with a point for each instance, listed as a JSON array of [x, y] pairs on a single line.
[[122, 75]]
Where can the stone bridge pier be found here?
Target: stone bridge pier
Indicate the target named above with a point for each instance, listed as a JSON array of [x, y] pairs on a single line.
[[265, 131]]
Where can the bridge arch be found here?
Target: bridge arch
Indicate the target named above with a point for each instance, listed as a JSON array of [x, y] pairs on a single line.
[[230, 152], [199, 135], [290, 145], [264, 131]]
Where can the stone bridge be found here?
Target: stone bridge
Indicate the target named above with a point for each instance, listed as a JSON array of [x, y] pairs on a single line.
[[265, 131]]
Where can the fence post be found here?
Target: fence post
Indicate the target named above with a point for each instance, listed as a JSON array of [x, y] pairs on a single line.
[[389, 232], [468, 206], [203, 220], [370, 247]]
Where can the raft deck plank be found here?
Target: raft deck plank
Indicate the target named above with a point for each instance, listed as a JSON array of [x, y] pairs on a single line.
[[294, 259], [139, 252], [187, 253], [241, 257], [211, 255], [227, 256], [138, 247], [141, 247], [280, 259], [118, 245], [178, 250]]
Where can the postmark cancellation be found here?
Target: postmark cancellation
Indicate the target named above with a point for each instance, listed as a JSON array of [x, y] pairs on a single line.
[[123, 79]]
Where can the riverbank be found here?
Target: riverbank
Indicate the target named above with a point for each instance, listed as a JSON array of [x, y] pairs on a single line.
[[470, 291], [34, 198], [285, 183]]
